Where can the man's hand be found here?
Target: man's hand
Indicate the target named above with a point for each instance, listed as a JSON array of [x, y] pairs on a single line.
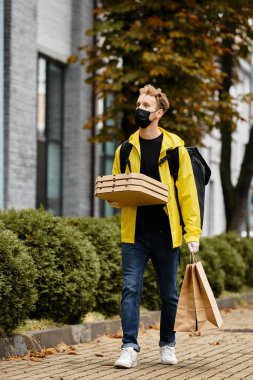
[[193, 246]]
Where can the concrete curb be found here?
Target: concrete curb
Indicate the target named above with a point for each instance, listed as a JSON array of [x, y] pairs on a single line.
[[74, 334]]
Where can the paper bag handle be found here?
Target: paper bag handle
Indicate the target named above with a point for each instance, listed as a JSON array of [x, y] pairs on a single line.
[[194, 257]]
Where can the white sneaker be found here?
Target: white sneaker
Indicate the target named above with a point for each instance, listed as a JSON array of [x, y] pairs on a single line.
[[127, 359], [168, 355]]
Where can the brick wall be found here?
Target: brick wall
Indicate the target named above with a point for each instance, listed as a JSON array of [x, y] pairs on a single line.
[[20, 103], [77, 150]]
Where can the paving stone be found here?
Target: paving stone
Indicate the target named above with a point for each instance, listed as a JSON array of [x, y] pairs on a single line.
[[216, 354]]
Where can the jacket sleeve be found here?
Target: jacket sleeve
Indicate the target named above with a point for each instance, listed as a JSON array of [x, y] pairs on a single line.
[[188, 197], [116, 162]]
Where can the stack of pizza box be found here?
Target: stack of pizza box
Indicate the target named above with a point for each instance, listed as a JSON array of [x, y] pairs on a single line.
[[131, 189]]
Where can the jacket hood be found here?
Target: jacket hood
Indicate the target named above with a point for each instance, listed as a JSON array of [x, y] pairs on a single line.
[[170, 140]]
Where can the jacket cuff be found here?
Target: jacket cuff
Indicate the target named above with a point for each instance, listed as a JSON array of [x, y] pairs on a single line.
[[189, 238]]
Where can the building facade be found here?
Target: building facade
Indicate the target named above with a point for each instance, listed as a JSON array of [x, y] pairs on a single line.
[[45, 155]]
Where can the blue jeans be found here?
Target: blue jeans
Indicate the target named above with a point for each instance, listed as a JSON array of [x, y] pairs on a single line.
[[157, 247]]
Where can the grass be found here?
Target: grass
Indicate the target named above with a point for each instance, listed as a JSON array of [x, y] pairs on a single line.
[[36, 324], [244, 289], [95, 316]]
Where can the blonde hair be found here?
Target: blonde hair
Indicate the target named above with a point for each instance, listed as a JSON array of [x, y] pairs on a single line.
[[161, 98]]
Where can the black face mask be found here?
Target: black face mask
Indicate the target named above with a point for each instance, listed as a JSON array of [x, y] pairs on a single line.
[[142, 118]]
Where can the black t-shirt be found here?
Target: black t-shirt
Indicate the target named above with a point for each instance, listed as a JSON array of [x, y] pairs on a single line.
[[151, 218]]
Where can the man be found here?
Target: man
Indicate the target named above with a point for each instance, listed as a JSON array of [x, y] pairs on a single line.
[[155, 232]]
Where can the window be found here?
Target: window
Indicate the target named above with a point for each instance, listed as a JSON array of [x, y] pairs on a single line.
[[50, 135], [106, 165]]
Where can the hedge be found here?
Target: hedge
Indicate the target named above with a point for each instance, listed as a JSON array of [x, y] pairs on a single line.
[[62, 268], [64, 260], [17, 278], [244, 246], [231, 262], [104, 234]]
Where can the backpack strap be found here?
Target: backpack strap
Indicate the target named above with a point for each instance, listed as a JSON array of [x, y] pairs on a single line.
[[172, 156], [125, 151]]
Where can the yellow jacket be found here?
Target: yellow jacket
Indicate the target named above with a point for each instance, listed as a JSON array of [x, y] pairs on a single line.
[[187, 191]]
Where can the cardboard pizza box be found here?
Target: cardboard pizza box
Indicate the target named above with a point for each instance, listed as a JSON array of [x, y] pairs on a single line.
[[131, 189], [129, 176], [126, 183]]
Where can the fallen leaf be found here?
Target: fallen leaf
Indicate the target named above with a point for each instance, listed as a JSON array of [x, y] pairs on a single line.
[[227, 310], [37, 355], [62, 347], [50, 351], [195, 333], [35, 359], [116, 336], [156, 326], [214, 343]]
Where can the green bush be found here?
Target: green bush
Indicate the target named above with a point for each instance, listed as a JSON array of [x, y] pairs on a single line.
[[115, 219], [66, 263], [231, 262], [17, 277], [104, 234], [248, 258], [212, 265], [244, 246]]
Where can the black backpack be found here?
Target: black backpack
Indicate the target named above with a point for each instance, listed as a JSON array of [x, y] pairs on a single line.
[[201, 170]]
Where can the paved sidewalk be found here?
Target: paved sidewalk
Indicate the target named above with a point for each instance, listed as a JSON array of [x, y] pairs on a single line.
[[216, 354]]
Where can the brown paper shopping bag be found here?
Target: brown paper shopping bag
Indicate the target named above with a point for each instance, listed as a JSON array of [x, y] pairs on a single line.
[[207, 311], [201, 317], [186, 312], [197, 308]]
